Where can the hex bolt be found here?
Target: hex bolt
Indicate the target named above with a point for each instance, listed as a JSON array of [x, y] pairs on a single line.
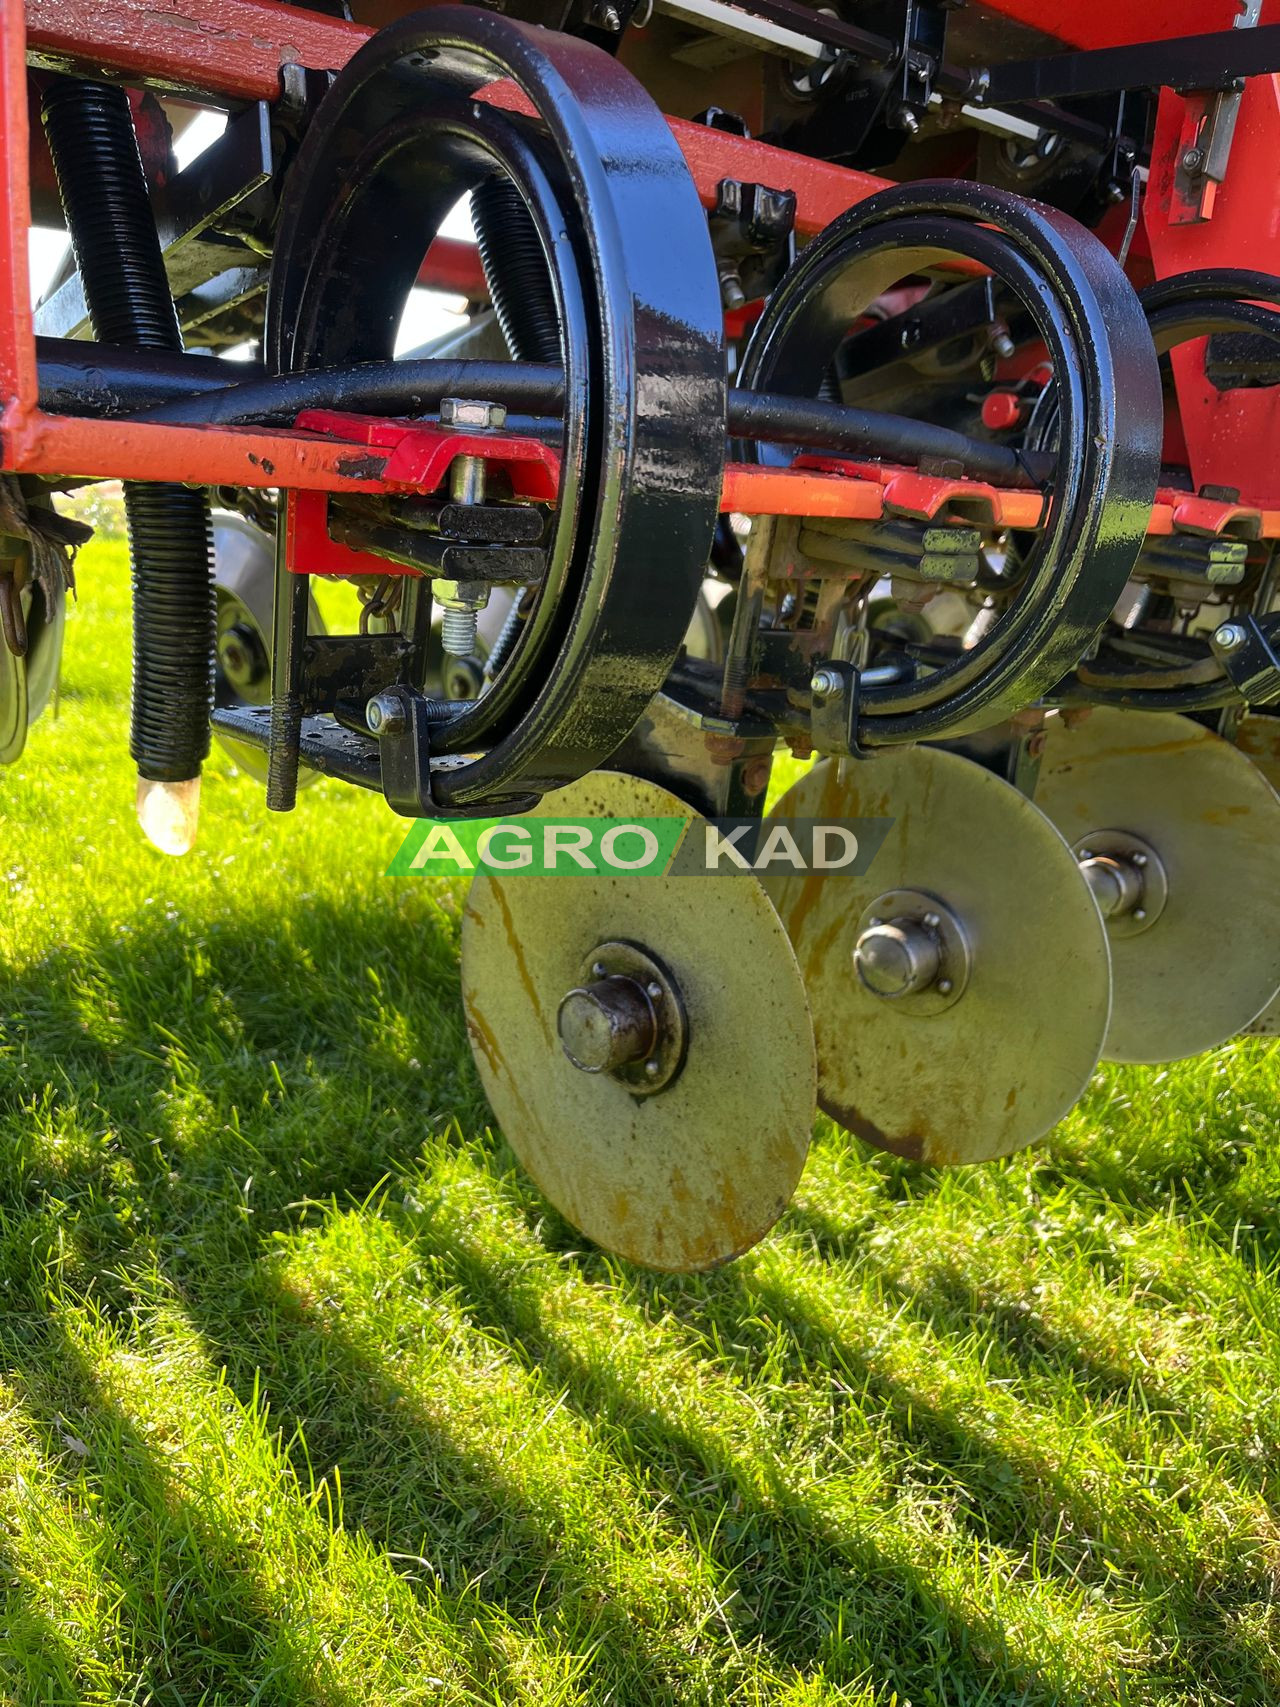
[[826, 683], [1003, 344], [1192, 159], [472, 414], [906, 120], [1229, 636], [385, 715]]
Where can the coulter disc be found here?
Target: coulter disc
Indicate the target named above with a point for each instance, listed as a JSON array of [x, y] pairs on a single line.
[[1177, 832], [644, 1042], [13, 705], [960, 988], [1259, 737]]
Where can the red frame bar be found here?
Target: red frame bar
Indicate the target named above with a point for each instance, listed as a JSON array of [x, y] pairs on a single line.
[[233, 50]]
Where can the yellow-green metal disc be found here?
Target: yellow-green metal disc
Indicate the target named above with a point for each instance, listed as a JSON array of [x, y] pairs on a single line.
[[692, 1175], [1259, 737], [1002, 1062], [1210, 962]]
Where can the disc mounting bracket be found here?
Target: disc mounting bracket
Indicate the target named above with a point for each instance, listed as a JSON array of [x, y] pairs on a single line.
[[1244, 648]]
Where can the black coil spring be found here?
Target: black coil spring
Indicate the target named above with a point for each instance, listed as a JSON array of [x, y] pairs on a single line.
[[516, 272], [117, 251]]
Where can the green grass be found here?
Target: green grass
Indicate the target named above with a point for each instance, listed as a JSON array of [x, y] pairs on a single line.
[[309, 1398]]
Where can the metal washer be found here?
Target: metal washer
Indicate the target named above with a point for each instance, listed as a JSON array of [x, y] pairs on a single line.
[[692, 1176], [995, 1069]]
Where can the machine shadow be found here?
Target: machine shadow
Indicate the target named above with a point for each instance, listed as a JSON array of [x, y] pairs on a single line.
[[1000, 1502], [948, 1297], [391, 1455], [54, 1381], [211, 1255]]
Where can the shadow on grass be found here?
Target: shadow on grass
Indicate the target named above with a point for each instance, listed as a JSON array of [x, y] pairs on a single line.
[[185, 1592], [160, 1046]]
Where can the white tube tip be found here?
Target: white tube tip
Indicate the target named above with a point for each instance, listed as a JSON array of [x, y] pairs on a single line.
[[169, 813]]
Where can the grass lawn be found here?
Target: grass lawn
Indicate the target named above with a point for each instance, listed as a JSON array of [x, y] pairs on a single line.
[[305, 1396]]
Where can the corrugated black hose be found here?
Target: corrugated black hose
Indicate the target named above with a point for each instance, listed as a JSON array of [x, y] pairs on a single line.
[[117, 251], [516, 271]]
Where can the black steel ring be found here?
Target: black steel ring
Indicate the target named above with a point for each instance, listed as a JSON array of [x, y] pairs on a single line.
[[1088, 315], [1179, 309], [397, 141]]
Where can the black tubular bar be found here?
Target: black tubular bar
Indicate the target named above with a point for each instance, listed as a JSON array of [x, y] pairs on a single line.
[[1211, 61], [771, 418], [78, 378]]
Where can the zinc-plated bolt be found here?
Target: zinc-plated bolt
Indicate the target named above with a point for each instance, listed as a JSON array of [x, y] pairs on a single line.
[[826, 683], [906, 120], [1003, 345], [472, 413], [384, 715], [458, 632], [1229, 636]]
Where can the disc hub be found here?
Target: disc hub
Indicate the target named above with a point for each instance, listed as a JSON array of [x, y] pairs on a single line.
[[625, 1017], [911, 949], [1126, 878]]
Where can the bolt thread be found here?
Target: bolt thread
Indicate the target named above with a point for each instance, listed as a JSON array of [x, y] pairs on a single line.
[[508, 634], [458, 630]]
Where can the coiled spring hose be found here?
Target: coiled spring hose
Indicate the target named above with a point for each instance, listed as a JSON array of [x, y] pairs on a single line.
[[117, 251]]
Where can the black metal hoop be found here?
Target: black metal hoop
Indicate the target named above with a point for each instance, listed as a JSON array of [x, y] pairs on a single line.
[[398, 140], [1109, 387]]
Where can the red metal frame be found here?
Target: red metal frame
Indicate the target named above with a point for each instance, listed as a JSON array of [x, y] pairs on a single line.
[[233, 50]]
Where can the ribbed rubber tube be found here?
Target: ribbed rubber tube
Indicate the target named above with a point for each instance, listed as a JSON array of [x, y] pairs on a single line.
[[113, 236], [516, 271]]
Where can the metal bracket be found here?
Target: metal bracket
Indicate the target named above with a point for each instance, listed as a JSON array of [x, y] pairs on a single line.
[[404, 750], [834, 710], [752, 232], [1244, 648], [1205, 145]]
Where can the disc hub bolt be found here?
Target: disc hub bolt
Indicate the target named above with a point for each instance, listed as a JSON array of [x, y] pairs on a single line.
[[1126, 878], [897, 957], [607, 1024], [1116, 884], [242, 657], [625, 1018], [911, 949]]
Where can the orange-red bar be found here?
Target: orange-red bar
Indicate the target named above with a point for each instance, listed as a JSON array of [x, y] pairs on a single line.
[[235, 49], [228, 48]]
